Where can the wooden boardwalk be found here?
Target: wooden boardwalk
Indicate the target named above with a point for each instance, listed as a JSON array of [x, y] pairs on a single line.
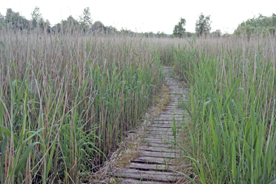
[[158, 156]]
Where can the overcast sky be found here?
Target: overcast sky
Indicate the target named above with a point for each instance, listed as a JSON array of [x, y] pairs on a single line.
[[147, 15]]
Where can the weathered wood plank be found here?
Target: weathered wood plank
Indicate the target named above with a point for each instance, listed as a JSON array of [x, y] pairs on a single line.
[[159, 141], [160, 132], [159, 136], [155, 167], [158, 145], [133, 181], [168, 119], [166, 129], [167, 123], [147, 175], [156, 140], [158, 149], [173, 107], [171, 115], [153, 160], [169, 132], [171, 110], [161, 125], [157, 154], [155, 134], [178, 112], [163, 131]]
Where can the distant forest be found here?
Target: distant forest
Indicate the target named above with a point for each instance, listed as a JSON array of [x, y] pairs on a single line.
[[14, 21], [259, 25]]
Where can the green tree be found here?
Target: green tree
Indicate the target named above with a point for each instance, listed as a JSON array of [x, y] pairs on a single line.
[[161, 34], [85, 19], [15, 21], [216, 34], [274, 19], [2, 20], [179, 30], [36, 17], [203, 25], [70, 25], [189, 34]]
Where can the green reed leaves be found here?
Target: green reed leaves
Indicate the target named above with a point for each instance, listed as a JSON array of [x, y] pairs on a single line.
[[232, 108]]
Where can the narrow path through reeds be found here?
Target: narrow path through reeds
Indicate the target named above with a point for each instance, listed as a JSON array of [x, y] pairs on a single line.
[[157, 155]]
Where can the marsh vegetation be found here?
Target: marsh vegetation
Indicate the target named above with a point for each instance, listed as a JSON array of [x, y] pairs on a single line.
[[67, 96]]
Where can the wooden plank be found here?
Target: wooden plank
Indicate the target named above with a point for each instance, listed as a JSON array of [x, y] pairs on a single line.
[[173, 106], [175, 84], [166, 124], [152, 128], [179, 114], [158, 149], [133, 181], [168, 132], [172, 113], [159, 141], [158, 132], [161, 125], [168, 108], [152, 160], [178, 117], [176, 108], [160, 136], [158, 145], [177, 93], [172, 95], [175, 88], [154, 167], [166, 121], [157, 135], [157, 154], [162, 130], [164, 117], [147, 175]]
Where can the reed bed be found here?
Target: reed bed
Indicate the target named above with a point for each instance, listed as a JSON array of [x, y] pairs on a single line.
[[66, 100], [232, 108]]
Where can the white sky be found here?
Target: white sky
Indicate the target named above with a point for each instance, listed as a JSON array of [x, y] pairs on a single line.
[[147, 15]]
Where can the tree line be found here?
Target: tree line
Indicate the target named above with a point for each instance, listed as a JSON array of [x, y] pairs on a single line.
[[14, 21], [202, 28], [260, 25], [257, 25]]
